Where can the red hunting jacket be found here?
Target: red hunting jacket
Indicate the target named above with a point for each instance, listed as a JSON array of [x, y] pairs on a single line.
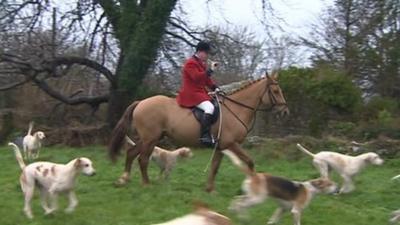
[[194, 81]]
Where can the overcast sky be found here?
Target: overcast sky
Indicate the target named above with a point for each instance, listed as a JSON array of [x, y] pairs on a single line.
[[298, 14]]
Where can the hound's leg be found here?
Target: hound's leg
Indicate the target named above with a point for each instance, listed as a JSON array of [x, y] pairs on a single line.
[[296, 215], [28, 195], [322, 167], [348, 185], [73, 202], [242, 202], [44, 197], [276, 217], [53, 201], [25, 152]]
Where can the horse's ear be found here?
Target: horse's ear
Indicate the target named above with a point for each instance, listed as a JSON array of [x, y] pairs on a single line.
[[275, 75], [266, 74]]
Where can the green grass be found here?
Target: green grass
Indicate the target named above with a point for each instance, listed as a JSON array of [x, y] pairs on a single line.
[[101, 203]]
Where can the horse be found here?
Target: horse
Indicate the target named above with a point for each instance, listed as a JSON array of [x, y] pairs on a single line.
[[159, 116]]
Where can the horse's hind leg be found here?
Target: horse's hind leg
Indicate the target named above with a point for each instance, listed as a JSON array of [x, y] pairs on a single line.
[[131, 154], [145, 153]]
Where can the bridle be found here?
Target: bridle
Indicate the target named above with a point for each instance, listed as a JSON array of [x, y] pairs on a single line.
[[271, 96]]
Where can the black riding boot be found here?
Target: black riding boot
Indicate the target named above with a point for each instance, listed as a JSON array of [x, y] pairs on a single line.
[[205, 136]]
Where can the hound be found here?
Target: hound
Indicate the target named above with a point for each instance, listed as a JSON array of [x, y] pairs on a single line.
[[201, 216], [32, 143], [291, 195], [395, 216], [51, 179], [166, 160], [346, 166]]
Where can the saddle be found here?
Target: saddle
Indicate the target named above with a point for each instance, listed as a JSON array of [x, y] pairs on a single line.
[[198, 113]]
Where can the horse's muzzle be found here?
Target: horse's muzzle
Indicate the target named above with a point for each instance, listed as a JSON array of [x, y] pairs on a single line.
[[285, 112], [282, 111]]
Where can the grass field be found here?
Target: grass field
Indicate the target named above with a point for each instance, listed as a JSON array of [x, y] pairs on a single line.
[[101, 203]]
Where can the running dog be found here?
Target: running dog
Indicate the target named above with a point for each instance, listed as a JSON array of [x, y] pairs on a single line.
[[291, 195], [346, 166], [51, 179], [201, 216], [32, 143], [166, 160]]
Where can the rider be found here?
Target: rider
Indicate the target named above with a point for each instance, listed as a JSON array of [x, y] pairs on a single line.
[[196, 77]]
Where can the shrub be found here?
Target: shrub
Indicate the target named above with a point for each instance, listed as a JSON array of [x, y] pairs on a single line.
[[337, 91], [377, 104], [313, 94]]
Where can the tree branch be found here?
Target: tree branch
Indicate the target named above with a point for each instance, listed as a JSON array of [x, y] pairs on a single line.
[[69, 60], [14, 85], [92, 101]]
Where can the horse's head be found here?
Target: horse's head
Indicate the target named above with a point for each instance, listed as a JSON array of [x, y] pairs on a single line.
[[273, 96]]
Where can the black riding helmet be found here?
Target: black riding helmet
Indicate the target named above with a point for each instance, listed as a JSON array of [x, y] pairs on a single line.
[[203, 46]]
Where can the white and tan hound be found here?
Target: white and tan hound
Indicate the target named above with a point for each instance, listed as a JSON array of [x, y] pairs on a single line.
[[51, 179], [346, 166], [32, 143], [165, 159], [291, 196], [201, 216]]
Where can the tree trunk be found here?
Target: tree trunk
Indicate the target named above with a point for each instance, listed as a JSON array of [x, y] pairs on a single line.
[[118, 102], [140, 35]]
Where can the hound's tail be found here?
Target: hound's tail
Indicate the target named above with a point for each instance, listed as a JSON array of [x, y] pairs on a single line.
[[120, 131], [235, 160], [18, 155], [396, 177], [301, 148], [129, 140], [30, 128]]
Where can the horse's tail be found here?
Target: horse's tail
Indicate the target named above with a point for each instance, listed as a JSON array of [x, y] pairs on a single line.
[[120, 131]]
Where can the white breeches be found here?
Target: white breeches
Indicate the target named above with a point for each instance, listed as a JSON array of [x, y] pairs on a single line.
[[207, 107]]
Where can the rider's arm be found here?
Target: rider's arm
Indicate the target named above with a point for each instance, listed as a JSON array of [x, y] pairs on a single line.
[[194, 72], [211, 84]]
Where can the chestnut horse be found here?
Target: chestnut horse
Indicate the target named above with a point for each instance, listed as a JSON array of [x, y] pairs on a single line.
[[158, 116]]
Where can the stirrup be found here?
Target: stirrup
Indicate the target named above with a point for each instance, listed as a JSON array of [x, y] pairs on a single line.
[[208, 141]]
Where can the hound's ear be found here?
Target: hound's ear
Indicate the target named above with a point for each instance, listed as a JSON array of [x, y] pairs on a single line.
[[318, 183], [183, 153], [77, 162]]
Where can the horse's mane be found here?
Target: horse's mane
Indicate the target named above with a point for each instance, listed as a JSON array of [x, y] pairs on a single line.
[[245, 85]]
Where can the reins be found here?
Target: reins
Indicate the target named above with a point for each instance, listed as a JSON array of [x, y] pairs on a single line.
[[218, 135], [254, 109]]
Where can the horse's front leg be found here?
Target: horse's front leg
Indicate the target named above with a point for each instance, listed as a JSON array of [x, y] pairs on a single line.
[[131, 154], [216, 162], [242, 155]]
